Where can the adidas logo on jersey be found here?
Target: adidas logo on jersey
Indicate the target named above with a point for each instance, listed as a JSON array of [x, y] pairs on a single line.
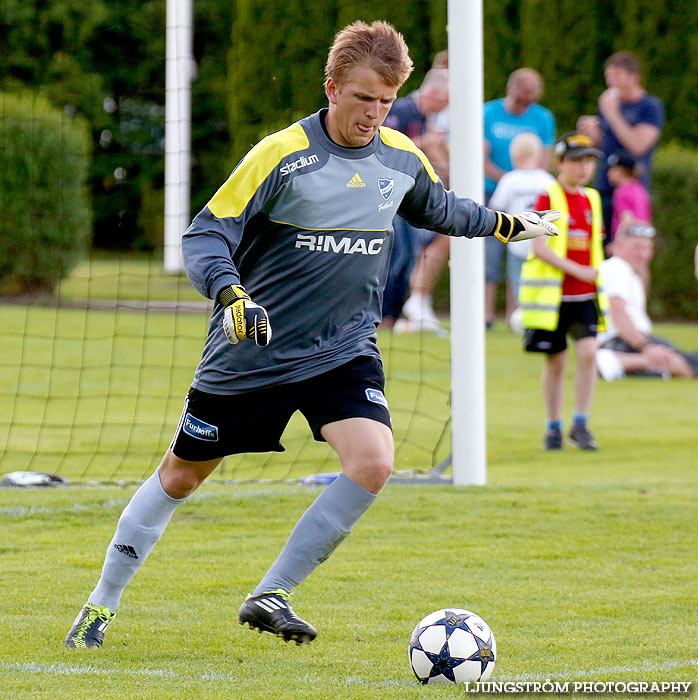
[[345, 246], [356, 181], [126, 549]]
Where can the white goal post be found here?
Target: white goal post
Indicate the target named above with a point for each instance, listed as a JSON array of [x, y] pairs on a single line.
[[465, 51], [179, 71]]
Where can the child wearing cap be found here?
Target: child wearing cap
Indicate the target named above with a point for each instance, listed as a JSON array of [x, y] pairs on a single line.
[[629, 194], [560, 293]]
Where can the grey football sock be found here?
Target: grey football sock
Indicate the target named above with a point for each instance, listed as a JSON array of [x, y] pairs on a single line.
[[322, 527], [139, 528]]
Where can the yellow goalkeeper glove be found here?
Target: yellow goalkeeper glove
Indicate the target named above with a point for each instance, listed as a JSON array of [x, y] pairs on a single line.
[[242, 318], [529, 224]]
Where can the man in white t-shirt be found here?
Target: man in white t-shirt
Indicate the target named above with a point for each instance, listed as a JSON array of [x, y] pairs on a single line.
[[628, 346], [516, 192]]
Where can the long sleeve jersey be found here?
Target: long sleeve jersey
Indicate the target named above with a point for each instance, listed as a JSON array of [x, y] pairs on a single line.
[[305, 226]]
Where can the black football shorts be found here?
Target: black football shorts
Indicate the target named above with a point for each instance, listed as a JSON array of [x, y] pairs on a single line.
[[216, 425], [578, 319]]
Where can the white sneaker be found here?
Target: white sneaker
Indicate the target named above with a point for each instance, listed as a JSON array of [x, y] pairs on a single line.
[[402, 325], [609, 365], [420, 313], [516, 321]]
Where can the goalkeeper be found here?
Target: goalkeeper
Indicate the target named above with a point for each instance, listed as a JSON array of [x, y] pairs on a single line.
[[294, 249]]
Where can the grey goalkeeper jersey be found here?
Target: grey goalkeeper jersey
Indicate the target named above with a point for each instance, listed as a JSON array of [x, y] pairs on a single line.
[[305, 226]]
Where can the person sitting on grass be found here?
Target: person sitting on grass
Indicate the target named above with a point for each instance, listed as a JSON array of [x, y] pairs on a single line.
[[627, 347]]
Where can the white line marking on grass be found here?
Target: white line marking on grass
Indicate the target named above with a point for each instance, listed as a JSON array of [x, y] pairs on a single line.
[[29, 511], [67, 670], [647, 666], [21, 511], [62, 669]]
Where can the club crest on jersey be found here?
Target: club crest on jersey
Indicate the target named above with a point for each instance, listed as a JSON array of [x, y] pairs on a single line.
[[376, 396], [200, 429], [385, 187]]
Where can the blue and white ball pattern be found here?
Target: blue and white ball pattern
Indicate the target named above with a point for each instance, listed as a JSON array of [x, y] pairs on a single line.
[[452, 646]]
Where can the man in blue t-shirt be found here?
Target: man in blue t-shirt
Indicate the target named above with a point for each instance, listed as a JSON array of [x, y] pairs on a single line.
[[515, 113], [627, 118], [504, 119]]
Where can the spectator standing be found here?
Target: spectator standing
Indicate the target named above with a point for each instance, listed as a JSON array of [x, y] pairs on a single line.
[[504, 119], [412, 115], [628, 346], [560, 294], [517, 191], [418, 310], [629, 195], [629, 118]]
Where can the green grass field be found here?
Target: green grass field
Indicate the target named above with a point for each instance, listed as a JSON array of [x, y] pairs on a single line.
[[583, 564], [125, 277], [95, 395]]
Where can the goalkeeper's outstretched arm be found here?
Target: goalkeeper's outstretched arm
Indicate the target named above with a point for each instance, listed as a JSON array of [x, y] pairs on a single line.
[[429, 205], [529, 224]]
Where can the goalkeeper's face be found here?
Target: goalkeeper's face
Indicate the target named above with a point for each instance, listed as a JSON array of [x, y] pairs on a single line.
[[358, 106]]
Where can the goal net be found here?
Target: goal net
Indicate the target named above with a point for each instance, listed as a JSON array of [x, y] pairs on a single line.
[[94, 371], [93, 381]]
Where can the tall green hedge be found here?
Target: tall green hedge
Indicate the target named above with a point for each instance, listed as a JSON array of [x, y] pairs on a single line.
[[105, 60], [663, 34], [572, 66], [279, 49], [569, 41], [674, 289], [501, 43], [46, 219], [276, 64]]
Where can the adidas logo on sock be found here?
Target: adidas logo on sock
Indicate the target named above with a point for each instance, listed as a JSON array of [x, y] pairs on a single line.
[[126, 549], [356, 181]]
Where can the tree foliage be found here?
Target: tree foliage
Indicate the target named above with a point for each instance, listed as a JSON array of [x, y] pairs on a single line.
[[279, 51], [674, 291], [266, 95], [260, 67], [44, 162], [106, 62]]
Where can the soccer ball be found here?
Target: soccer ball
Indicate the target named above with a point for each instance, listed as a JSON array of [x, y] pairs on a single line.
[[452, 646]]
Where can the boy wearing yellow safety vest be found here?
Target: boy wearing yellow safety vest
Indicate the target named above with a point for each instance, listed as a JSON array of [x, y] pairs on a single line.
[[561, 293]]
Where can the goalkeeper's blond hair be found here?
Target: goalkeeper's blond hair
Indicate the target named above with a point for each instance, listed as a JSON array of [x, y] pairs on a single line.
[[378, 45]]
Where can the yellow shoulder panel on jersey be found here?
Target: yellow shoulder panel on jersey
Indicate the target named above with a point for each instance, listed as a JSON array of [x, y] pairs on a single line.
[[396, 139], [237, 191]]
